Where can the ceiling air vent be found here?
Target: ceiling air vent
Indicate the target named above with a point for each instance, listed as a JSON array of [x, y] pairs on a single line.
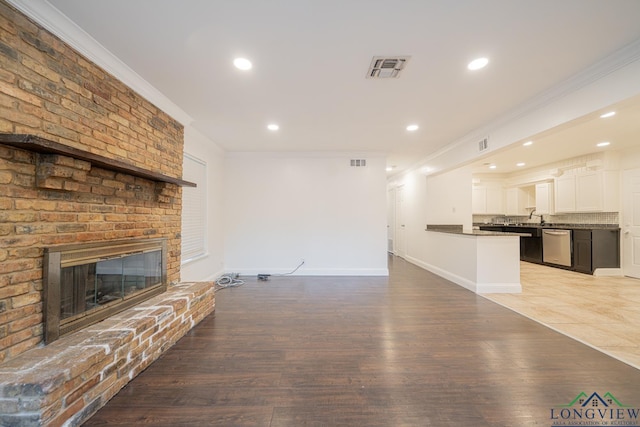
[[357, 163], [483, 144], [387, 67]]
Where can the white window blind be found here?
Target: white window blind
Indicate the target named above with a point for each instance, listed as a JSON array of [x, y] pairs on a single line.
[[194, 207]]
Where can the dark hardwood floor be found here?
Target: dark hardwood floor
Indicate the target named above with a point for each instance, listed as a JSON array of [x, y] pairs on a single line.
[[408, 350]]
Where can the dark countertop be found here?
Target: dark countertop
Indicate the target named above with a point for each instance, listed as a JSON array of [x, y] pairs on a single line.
[[457, 229], [556, 226]]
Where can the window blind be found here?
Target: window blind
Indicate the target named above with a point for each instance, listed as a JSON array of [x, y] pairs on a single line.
[[194, 206]]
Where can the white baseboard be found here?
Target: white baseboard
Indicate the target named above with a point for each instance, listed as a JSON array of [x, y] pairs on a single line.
[[461, 281], [608, 272], [499, 288], [214, 276], [479, 288], [315, 271]]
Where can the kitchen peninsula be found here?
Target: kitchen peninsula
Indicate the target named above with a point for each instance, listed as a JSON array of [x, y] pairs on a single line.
[[481, 261], [595, 248]]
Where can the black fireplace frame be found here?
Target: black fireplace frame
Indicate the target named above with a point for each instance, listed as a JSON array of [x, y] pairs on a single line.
[[78, 254]]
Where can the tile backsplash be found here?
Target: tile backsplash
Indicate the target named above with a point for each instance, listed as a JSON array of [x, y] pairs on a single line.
[[610, 218]]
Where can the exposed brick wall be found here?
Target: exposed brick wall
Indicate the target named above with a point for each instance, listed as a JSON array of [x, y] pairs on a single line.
[[49, 90]]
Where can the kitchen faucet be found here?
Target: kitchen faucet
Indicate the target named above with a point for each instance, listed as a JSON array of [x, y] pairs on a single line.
[[531, 214]]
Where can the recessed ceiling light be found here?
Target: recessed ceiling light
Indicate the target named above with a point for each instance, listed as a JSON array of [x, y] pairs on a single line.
[[609, 114], [528, 143], [476, 64], [520, 164], [273, 126], [492, 166], [603, 144], [412, 128], [390, 168], [242, 64]]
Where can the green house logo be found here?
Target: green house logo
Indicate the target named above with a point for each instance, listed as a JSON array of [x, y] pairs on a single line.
[[595, 410]]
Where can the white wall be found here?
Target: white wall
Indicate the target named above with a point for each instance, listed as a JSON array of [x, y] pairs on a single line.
[[449, 198], [211, 265], [630, 158], [437, 199], [282, 208]]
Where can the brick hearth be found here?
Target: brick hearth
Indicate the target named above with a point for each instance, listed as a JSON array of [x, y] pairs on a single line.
[[66, 382]]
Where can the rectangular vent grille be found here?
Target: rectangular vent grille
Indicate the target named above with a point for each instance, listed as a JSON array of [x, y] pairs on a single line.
[[357, 163], [387, 67], [483, 144]]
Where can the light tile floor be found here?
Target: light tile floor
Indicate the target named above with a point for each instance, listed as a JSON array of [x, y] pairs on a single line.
[[602, 312]]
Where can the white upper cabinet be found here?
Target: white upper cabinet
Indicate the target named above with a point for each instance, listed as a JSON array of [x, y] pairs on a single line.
[[487, 200], [519, 200], [544, 198], [479, 200], [565, 193], [494, 200], [590, 191]]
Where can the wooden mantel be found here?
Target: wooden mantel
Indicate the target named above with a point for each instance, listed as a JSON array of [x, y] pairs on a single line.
[[42, 145]]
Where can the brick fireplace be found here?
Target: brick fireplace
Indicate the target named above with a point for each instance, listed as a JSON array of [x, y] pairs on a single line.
[[83, 158]]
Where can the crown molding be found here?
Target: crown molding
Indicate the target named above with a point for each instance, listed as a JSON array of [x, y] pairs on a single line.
[[619, 59], [305, 155], [46, 15], [610, 64]]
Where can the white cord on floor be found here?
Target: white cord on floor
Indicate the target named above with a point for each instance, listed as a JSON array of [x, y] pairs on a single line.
[[228, 281], [291, 272]]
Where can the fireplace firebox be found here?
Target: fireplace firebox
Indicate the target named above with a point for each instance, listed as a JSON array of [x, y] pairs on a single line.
[[87, 283]]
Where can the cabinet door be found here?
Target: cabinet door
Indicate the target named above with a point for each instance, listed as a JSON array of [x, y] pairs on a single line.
[[517, 201], [544, 198], [605, 248], [479, 200], [582, 251], [494, 200], [512, 201], [486, 200], [589, 192], [565, 193]]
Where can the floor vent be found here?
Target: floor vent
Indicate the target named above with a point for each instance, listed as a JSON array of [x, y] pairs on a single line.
[[358, 162], [387, 67]]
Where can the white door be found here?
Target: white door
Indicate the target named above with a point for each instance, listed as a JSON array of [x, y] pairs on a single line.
[[631, 223], [391, 219], [400, 245]]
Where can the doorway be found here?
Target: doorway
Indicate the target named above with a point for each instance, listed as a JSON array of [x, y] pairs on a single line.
[[400, 245], [631, 223], [391, 219]]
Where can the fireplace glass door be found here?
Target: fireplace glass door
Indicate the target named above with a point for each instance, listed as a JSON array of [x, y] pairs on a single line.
[[87, 283], [88, 286]]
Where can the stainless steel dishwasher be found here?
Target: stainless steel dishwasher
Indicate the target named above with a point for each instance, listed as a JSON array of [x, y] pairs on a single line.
[[556, 247]]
